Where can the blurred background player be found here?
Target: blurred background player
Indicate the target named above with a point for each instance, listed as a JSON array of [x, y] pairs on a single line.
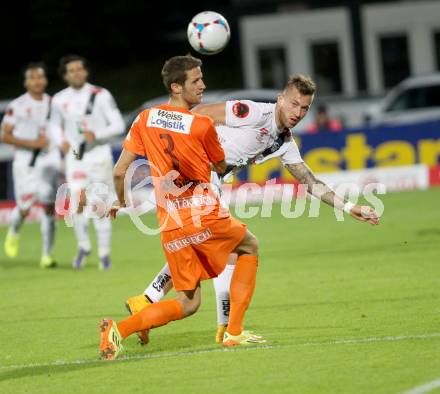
[[323, 122], [36, 164], [252, 132], [196, 241], [84, 117]]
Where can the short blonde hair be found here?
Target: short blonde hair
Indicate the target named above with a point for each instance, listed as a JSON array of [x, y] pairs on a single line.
[[304, 84]]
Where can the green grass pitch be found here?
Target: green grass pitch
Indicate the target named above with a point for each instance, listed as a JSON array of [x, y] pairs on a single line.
[[345, 308]]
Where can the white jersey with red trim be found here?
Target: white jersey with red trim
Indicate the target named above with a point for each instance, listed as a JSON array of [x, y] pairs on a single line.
[[69, 118], [250, 134], [29, 118]]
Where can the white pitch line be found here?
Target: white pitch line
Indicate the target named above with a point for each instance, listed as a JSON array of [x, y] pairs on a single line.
[[138, 357], [221, 349], [376, 339], [424, 388]]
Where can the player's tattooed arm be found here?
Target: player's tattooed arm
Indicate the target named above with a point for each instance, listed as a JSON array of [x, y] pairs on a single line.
[[217, 112], [317, 188]]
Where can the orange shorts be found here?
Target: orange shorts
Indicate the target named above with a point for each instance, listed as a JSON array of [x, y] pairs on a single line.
[[200, 253]]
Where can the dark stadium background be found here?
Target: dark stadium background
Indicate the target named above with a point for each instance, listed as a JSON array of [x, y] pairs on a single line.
[[126, 42]]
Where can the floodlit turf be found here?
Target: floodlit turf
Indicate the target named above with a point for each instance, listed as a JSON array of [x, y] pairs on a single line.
[[345, 307]]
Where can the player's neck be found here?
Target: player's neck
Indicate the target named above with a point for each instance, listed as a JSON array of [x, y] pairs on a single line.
[[36, 96], [78, 87], [178, 102]]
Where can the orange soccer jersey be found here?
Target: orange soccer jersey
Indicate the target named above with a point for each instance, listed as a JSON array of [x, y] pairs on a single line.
[[179, 146]]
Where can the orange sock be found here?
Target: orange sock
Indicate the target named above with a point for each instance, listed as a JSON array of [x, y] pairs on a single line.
[[155, 315], [242, 288]]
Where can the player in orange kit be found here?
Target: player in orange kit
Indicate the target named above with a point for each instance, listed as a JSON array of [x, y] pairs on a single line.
[[196, 233]]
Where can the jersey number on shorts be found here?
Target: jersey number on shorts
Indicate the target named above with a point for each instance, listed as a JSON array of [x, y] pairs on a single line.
[[169, 150]]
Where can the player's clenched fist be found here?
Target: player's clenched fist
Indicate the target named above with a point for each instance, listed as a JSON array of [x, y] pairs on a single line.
[[365, 213]]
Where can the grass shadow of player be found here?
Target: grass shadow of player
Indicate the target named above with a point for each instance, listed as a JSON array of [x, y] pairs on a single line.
[[49, 370], [33, 263], [426, 232], [176, 345], [171, 342], [11, 264]]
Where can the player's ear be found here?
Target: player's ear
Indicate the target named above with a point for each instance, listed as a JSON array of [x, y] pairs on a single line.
[[279, 98], [25, 80], [176, 88]]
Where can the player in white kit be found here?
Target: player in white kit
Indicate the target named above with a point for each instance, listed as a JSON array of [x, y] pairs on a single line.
[[85, 117], [249, 133], [37, 161]]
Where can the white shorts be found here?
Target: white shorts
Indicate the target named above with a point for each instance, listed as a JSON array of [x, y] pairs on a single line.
[[38, 183], [81, 173], [96, 178]]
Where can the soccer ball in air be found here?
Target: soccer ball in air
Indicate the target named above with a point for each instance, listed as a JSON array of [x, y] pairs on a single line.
[[208, 32]]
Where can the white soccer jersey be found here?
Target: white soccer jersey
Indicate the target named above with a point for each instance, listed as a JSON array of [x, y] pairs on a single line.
[[69, 118], [251, 133], [29, 117]]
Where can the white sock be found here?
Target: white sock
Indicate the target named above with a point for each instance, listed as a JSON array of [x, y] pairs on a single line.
[[47, 227], [16, 220], [81, 227], [103, 229], [221, 285], [160, 285]]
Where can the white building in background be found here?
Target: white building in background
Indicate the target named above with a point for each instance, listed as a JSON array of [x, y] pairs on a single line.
[[399, 39], [274, 46]]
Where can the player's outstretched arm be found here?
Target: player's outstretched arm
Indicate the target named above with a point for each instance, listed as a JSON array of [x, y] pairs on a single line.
[[217, 112], [119, 171], [319, 189]]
